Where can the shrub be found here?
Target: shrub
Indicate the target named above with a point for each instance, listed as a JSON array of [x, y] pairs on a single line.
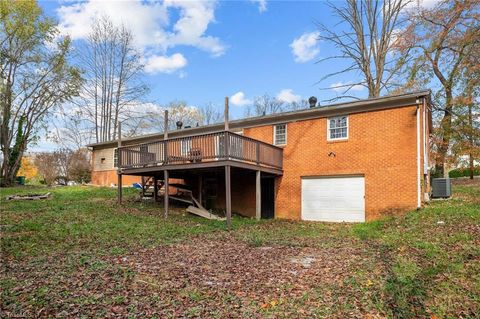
[[461, 172]]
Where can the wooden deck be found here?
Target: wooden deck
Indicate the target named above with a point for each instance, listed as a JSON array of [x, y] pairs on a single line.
[[181, 156], [200, 151]]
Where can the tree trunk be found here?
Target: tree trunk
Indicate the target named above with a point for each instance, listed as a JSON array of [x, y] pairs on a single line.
[[5, 136], [471, 142], [446, 125]]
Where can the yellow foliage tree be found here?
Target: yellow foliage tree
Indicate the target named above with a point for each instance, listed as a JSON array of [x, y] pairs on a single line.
[[27, 168]]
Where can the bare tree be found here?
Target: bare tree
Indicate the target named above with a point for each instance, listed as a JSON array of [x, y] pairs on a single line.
[[295, 106], [180, 111], [46, 164], [210, 114], [80, 166], [113, 86], [72, 165], [366, 37], [35, 78], [264, 105], [69, 130], [62, 160]]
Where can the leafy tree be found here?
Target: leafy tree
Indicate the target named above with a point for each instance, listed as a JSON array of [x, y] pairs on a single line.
[[466, 120], [27, 168], [441, 40], [36, 77]]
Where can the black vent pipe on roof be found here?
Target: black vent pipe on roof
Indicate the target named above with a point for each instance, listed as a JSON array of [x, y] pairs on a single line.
[[312, 101], [179, 125]]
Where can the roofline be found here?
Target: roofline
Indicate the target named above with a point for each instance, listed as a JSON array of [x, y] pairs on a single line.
[[366, 105]]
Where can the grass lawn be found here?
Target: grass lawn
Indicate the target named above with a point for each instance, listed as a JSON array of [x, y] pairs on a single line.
[[79, 254]]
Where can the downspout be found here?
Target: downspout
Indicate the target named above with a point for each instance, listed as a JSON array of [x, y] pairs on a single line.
[[425, 151], [419, 199]]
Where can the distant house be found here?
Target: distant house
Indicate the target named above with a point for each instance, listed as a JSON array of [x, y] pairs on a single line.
[[349, 162]]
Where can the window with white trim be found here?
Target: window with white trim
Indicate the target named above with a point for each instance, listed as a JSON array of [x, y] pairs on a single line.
[[280, 134], [337, 128]]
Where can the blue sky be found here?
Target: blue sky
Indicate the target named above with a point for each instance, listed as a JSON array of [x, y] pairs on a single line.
[[202, 52]]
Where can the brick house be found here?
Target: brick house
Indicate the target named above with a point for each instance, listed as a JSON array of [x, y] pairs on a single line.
[[351, 161]]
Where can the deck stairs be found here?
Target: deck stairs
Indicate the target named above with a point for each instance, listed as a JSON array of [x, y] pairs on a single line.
[[148, 186], [184, 194]]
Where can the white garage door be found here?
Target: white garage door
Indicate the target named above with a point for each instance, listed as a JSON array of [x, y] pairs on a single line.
[[333, 199]]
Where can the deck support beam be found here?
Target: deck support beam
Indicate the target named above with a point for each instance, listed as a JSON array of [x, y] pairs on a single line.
[[200, 185], [258, 196], [119, 183], [119, 162], [155, 189], [228, 197], [165, 203]]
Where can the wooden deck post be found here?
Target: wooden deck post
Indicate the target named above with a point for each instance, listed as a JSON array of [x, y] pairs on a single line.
[[258, 197], [119, 182], [226, 114], [228, 197], [165, 137], [200, 184], [165, 176], [119, 162], [155, 189], [165, 125], [226, 136]]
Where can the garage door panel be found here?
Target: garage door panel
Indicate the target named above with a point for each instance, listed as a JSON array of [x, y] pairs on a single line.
[[337, 204], [338, 217], [334, 199]]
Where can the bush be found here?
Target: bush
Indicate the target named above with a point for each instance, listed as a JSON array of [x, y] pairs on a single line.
[[435, 174], [462, 172]]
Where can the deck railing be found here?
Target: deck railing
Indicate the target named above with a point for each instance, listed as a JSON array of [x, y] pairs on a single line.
[[201, 148]]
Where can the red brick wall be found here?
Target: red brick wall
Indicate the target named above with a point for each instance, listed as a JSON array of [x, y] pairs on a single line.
[[108, 178], [381, 146]]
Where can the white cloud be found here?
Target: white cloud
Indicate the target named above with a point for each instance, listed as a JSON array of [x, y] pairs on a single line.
[[305, 47], [145, 20], [165, 64], [143, 108], [342, 86], [262, 5], [426, 4], [239, 99], [151, 23], [195, 16], [287, 96]]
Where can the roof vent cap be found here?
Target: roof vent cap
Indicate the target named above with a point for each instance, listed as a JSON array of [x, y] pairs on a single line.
[[179, 125], [312, 101]]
